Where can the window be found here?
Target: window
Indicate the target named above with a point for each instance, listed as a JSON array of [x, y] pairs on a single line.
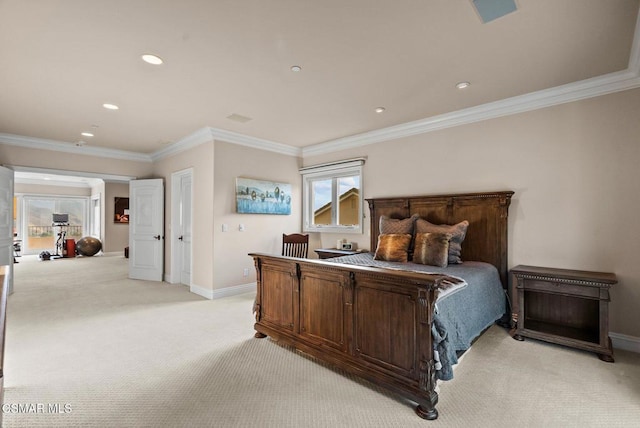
[[332, 197], [39, 233]]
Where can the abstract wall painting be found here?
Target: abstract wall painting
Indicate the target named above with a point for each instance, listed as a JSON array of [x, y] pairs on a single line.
[[262, 197]]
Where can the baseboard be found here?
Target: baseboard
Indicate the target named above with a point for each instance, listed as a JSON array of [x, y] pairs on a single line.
[[204, 292], [223, 292], [625, 342], [235, 290]]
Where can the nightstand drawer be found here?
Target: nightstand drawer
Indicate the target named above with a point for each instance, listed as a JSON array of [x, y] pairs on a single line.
[[561, 288]]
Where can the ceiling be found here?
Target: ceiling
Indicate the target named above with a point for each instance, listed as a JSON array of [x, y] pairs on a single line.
[[60, 60]]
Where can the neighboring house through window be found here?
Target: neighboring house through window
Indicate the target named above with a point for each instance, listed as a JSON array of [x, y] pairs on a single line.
[[332, 197]]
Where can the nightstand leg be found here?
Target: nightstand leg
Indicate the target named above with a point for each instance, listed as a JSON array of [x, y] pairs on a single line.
[[606, 358]]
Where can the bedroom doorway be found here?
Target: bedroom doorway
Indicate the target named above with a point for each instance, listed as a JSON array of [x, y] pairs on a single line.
[[181, 225]]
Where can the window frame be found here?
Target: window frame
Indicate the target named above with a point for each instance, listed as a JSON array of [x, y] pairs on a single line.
[[333, 172]]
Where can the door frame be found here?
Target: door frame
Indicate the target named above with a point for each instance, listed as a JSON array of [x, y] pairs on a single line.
[[176, 197]]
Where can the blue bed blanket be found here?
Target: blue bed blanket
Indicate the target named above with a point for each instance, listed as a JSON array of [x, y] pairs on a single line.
[[462, 313]]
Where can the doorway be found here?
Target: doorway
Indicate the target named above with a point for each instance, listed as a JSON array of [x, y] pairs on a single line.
[[181, 226]]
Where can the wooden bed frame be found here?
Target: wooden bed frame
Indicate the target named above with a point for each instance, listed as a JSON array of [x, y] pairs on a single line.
[[376, 323]]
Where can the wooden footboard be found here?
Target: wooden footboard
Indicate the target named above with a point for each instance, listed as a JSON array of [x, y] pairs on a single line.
[[371, 322]]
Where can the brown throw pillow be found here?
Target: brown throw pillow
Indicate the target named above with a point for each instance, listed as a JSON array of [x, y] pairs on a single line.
[[432, 249], [458, 232], [393, 247]]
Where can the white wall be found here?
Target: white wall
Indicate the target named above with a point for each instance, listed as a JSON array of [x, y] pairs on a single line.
[[574, 170]]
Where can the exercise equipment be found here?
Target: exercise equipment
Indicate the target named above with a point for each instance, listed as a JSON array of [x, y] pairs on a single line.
[[88, 246], [60, 222]]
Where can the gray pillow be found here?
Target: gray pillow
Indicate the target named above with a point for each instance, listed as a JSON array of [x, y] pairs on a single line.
[[395, 226], [457, 231]]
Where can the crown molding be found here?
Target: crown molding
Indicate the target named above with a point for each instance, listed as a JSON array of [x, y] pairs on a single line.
[[59, 146], [201, 136], [207, 134], [589, 88], [256, 143]]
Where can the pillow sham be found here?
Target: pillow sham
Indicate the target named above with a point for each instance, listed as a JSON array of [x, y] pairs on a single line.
[[393, 247], [458, 232], [395, 226], [432, 249]]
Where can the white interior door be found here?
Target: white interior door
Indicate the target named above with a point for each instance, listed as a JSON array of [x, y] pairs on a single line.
[[146, 225], [185, 229], [6, 222]]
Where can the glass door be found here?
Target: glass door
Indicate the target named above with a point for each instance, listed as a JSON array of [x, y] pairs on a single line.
[[38, 231]]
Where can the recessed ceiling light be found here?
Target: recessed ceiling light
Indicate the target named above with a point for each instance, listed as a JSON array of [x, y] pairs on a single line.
[[110, 106], [296, 68], [380, 109], [152, 59], [462, 85], [86, 134]]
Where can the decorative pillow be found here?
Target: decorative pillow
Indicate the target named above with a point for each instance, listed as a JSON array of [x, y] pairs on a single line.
[[432, 249], [458, 232], [393, 247], [394, 225]]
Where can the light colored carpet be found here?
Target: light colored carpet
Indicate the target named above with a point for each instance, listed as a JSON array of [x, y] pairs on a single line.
[[123, 353]]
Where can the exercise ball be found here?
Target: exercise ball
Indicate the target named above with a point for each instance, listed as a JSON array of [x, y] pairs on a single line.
[[88, 246]]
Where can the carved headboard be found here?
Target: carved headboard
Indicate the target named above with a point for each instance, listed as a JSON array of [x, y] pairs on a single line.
[[486, 239]]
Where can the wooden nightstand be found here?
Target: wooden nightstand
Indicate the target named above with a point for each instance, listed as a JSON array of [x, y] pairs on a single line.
[[567, 307], [327, 253]]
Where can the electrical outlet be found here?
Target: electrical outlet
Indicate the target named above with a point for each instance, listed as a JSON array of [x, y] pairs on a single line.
[[241, 227], [245, 272], [225, 227]]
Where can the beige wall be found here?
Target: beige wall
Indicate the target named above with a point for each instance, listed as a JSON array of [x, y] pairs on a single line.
[[116, 235], [37, 189], [19, 156], [200, 158], [574, 170], [263, 232]]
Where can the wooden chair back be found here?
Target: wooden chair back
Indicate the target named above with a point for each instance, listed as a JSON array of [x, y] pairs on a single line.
[[295, 245]]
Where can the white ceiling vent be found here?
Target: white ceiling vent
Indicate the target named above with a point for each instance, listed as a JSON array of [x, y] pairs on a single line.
[[239, 118]]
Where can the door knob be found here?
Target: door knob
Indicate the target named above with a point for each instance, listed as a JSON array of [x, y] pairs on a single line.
[[180, 237], [157, 237]]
